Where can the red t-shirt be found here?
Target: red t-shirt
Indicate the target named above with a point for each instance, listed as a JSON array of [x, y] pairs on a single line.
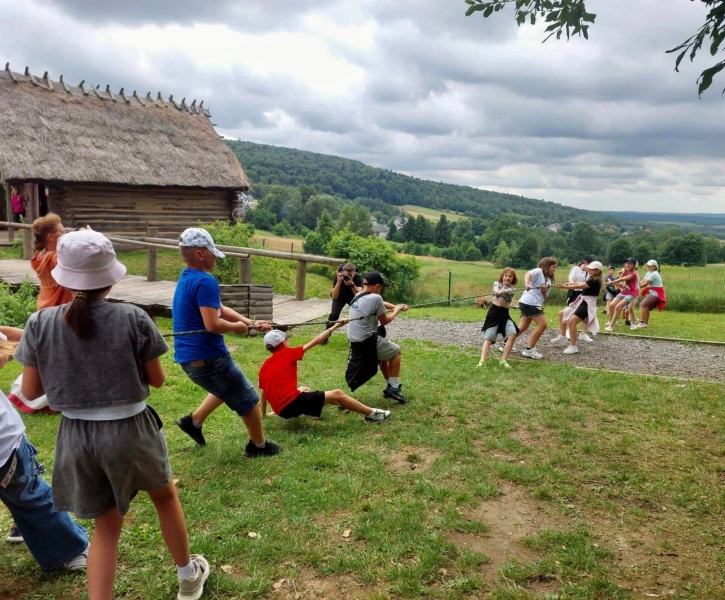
[[278, 377]]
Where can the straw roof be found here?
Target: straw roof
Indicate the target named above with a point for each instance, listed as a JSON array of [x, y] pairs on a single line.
[[52, 131]]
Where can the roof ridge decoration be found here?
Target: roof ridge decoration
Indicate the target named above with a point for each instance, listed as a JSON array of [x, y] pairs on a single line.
[[94, 91]]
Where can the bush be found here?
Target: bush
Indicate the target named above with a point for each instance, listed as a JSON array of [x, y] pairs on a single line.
[[16, 307], [375, 254], [314, 244], [463, 251], [227, 269]]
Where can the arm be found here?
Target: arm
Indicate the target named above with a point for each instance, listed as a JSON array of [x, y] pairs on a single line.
[[214, 324], [12, 333], [154, 373], [227, 314], [623, 278], [572, 286], [527, 281], [386, 318], [324, 335], [32, 387], [644, 283]]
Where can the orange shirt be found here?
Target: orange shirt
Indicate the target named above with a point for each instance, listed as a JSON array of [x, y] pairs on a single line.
[[51, 294]]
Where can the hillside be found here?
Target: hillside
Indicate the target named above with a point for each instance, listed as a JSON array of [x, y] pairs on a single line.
[[353, 179]]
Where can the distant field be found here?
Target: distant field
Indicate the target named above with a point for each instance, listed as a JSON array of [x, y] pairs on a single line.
[[429, 213], [271, 241]]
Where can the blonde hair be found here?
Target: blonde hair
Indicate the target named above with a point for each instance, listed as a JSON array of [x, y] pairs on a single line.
[[44, 226]]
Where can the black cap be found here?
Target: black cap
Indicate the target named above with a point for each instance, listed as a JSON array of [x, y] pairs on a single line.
[[374, 278], [632, 260], [589, 258]]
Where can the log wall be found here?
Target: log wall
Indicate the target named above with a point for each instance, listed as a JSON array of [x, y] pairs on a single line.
[[252, 301], [130, 210]]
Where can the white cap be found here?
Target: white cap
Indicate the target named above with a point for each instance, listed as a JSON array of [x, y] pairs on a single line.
[[196, 237], [86, 261], [274, 338], [652, 263], [595, 264]]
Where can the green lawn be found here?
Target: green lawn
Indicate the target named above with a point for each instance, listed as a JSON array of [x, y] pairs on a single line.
[[430, 213], [620, 478]]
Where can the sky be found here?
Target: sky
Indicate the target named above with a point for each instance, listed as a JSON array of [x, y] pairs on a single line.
[[416, 87]]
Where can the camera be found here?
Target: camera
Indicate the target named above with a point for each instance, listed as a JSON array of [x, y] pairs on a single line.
[[346, 277]]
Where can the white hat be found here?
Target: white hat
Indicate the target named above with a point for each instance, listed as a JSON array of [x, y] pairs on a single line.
[[274, 338], [652, 263], [86, 261], [196, 237], [595, 264]]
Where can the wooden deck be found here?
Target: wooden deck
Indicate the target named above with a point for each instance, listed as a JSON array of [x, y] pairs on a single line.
[[155, 296]]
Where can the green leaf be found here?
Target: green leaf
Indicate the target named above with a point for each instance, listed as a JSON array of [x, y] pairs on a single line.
[[533, 19], [679, 59], [487, 13], [470, 11], [585, 31], [707, 75]]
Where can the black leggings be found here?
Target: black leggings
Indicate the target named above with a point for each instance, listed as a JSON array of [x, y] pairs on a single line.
[[336, 309]]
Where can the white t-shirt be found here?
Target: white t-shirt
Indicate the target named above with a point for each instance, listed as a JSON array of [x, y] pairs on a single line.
[[577, 275], [534, 297], [12, 429]]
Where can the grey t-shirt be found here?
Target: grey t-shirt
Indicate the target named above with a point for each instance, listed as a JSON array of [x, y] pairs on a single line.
[[107, 370], [534, 297], [369, 306]]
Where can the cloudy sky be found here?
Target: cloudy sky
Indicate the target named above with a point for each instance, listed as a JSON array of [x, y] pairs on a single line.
[[416, 87]]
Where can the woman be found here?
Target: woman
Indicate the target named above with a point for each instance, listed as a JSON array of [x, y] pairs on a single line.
[[538, 284], [583, 309], [653, 292], [18, 203], [628, 295], [47, 230]]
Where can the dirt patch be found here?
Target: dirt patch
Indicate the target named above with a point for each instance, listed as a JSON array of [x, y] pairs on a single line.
[[312, 586], [412, 459], [511, 516]]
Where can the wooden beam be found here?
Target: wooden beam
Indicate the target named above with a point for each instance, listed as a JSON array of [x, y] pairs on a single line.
[[9, 210], [152, 255], [300, 280], [245, 270]]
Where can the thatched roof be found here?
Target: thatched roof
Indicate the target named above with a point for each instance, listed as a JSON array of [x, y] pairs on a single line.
[[52, 131]]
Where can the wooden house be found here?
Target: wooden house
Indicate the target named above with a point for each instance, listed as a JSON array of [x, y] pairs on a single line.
[[116, 161]]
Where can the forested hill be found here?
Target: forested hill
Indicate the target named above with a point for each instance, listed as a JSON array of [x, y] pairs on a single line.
[[352, 179]]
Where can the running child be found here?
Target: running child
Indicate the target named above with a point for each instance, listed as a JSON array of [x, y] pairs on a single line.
[[96, 360], [278, 382], [628, 294], [498, 320], [205, 359], [538, 284], [583, 309]]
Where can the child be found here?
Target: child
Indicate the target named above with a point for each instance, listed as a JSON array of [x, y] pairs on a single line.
[[538, 283], [19, 205], [627, 296], [47, 230], [205, 359], [653, 292], [611, 290], [583, 309], [96, 360], [278, 382], [498, 319]]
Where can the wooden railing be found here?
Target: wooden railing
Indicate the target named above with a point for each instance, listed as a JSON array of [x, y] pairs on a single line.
[[153, 244]]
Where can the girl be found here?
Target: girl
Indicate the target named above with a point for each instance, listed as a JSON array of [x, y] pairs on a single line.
[[498, 319], [538, 283], [583, 309], [47, 230], [96, 360], [579, 274], [627, 295], [611, 291], [18, 203], [654, 293]]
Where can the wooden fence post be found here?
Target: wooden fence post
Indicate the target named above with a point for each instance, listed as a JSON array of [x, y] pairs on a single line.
[[245, 270], [301, 280], [9, 211], [152, 255]]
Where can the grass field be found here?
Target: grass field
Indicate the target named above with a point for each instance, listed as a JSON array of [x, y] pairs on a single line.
[[533, 483], [430, 213], [271, 241]]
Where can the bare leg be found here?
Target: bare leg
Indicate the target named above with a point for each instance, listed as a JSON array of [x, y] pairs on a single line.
[[617, 307], [385, 369], [253, 422], [172, 522], [573, 322], [507, 348], [524, 323], [541, 326], [562, 325], [644, 311], [210, 404], [348, 403], [486, 347], [394, 365], [103, 555]]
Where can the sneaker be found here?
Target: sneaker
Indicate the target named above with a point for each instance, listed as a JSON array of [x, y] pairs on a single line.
[[187, 426], [627, 323], [609, 328], [571, 350], [77, 563], [532, 353], [559, 338], [585, 337], [505, 364], [642, 325], [395, 393], [193, 587], [270, 449], [378, 416], [480, 364], [15, 537], [500, 347]]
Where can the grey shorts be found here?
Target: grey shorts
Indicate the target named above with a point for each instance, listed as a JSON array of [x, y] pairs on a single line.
[[101, 465], [492, 332], [387, 350]]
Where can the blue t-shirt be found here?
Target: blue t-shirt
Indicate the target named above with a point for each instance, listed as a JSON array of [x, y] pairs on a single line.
[[194, 290]]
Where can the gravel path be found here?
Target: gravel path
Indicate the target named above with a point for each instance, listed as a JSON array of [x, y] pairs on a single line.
[[617, 353]]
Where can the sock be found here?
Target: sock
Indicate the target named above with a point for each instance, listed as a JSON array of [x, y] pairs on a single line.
[[186, 572], [394, 382], [262, 445], [530, 348], [195, 424]]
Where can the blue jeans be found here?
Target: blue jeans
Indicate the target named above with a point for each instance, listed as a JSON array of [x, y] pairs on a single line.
[[223, 378], [53, 538]]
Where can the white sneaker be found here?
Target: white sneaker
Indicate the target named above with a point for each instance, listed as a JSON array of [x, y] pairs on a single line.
[[584, 337], [500, 347], [532, 353], [571, 350], [193, 587], [559, 338], [378, 415], [77, 563]]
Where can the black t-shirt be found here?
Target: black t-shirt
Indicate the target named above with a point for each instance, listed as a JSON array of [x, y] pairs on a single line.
[[595, 286], [346, 292]]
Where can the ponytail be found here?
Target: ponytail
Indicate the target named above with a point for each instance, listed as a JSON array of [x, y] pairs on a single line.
[[78, 314]]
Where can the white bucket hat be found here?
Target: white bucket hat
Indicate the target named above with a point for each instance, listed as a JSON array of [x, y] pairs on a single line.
[[274, 338], [196, 237], [595, 264], [86, 261]]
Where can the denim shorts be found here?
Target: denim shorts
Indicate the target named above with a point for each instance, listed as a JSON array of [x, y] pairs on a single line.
[[223, 378], [629, 299], [492, 332]]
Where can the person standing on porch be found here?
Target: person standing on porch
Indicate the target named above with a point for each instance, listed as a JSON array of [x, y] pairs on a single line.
[[19, 204]]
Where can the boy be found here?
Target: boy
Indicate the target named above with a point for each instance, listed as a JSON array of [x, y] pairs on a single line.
[[204, 357], [278, 382], [611, 291], [367, 348]]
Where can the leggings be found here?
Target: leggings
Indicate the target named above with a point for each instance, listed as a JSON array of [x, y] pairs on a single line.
[[650, 301]]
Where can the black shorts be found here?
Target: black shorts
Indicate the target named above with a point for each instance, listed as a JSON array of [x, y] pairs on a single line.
[[582, 311], [530, 311], [307, 403], [572, 295]]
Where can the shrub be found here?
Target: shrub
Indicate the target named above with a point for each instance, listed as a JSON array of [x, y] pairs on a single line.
[[226, 234], [314, 244], [16, 307]]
